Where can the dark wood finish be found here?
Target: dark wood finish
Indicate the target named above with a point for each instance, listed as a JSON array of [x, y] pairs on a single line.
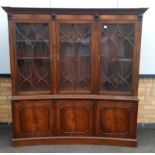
[[33, 119], [87, 97], [116, 119], [74, 75], [75, 140], [75, 118], [137, 58]]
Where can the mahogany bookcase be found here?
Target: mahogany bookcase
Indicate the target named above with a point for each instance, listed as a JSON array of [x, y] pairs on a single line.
[[74, 75]]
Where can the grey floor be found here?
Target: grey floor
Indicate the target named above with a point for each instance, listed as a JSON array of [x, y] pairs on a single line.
[[146, 143]]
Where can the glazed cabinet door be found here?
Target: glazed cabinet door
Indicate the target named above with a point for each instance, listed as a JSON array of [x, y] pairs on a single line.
[[74, 56], [32, 53], [33, 119], [117, 49]]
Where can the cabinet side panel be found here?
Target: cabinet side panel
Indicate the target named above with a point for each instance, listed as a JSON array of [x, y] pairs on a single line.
[[138, 31], [12, 55]]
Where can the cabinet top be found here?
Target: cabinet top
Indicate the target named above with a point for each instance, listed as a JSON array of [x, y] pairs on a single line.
[[118, 11]]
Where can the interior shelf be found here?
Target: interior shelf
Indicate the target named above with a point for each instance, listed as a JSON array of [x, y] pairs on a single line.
[[72, 41], [31, 58], [34, 41]]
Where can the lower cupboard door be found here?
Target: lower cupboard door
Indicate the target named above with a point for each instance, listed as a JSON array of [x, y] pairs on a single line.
[[116, 119], [33, 119], [75, 118]]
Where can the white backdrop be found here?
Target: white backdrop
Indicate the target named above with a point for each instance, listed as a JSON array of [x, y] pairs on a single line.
[[147, 63]]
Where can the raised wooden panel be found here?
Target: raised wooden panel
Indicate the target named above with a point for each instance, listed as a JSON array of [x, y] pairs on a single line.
[[36, 119], [116, 118], [74, 122], [75, 118], [33, 118]]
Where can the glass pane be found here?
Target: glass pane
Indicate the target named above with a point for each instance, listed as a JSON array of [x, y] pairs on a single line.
[[33, 57], [116, 57], [74, 52]]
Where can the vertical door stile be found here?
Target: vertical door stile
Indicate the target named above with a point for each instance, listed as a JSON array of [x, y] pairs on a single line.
[[98, 55], [57, 69], [53, 55], [95, 57]]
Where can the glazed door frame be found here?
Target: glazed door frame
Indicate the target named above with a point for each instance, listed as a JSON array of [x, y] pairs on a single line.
[[77, 19], [135, 59], [13, 52]]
